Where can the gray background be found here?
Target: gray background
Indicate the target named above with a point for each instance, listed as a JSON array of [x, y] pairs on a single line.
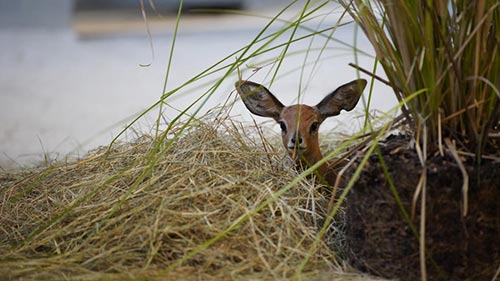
[[69, 82]]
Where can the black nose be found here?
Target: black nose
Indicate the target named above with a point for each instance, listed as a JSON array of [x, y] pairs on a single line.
[[294, 139]]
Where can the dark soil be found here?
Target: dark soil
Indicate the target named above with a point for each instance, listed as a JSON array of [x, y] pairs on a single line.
[[380, 241]]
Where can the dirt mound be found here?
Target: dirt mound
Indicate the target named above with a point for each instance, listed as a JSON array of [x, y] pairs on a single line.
[[382, 241]]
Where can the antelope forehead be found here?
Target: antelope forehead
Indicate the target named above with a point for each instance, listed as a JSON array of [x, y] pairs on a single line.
[[305, 113]]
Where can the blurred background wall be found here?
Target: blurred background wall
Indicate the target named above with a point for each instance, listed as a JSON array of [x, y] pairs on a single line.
[[72, 73], [33, 13]]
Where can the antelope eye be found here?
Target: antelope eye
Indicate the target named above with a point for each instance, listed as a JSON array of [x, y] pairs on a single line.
[[283, 127], [314, 127]]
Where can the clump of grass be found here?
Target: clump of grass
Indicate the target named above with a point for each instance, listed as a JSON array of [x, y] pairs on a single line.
[[448, 50], [442, 60], [105, 217]]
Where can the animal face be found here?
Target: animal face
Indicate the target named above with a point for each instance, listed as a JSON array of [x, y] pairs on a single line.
[[300, 123], [299, 129]]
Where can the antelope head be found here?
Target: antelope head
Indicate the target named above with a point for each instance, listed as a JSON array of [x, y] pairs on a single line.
[[300, 123]]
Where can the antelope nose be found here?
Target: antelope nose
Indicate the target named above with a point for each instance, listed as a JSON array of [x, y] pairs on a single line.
[[294, 140]]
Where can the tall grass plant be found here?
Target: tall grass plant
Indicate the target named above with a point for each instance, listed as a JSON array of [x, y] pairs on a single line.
[[448, 49]]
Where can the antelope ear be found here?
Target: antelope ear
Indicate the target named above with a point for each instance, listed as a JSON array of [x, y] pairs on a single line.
[[259, 100], [344, 97]]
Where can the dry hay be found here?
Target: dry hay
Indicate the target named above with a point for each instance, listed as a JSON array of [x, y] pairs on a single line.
[[136, 213]]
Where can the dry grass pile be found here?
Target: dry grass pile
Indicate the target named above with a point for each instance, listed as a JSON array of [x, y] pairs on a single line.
[[138, 214]]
